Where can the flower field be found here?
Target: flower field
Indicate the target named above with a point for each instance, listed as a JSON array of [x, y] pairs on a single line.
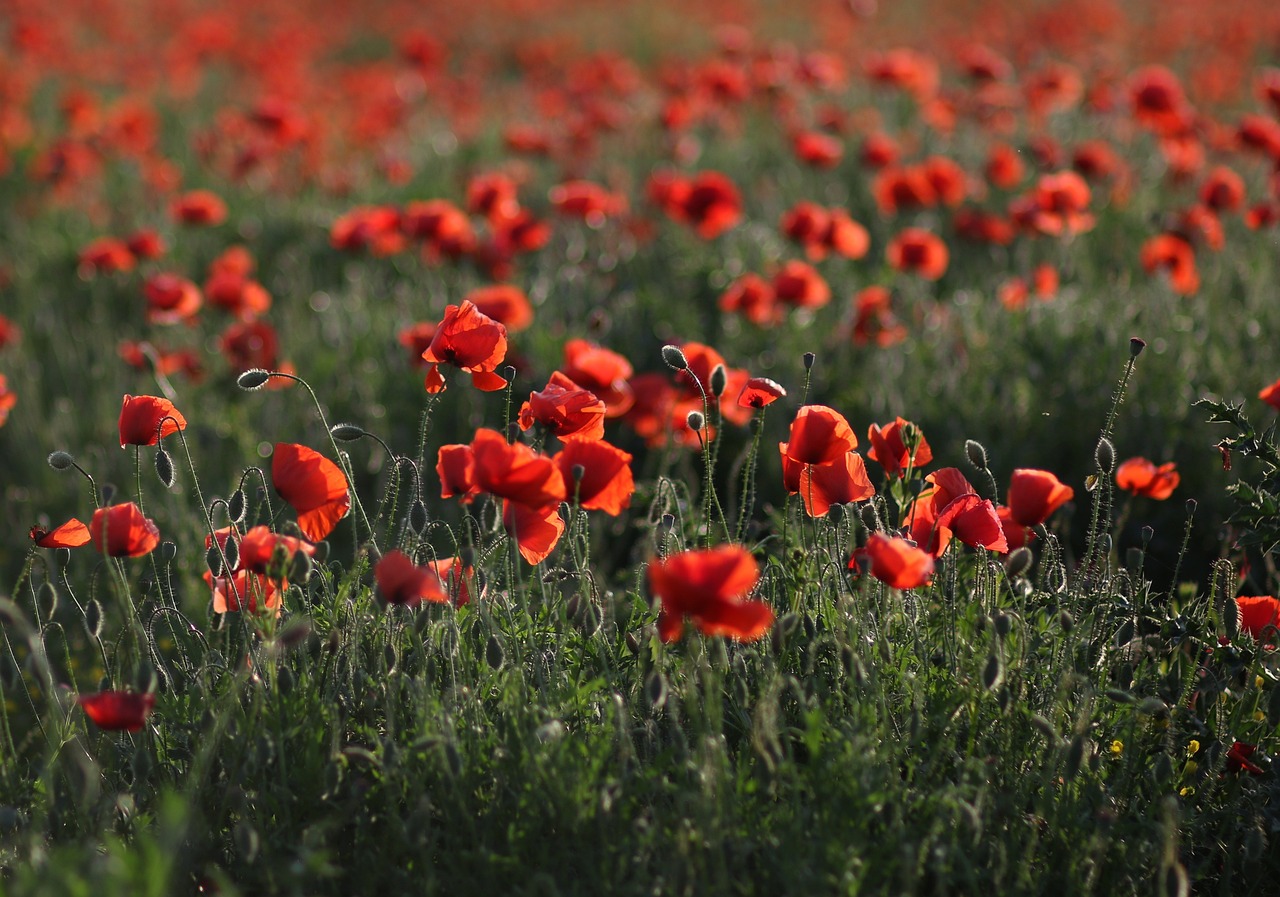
[[585, 447]]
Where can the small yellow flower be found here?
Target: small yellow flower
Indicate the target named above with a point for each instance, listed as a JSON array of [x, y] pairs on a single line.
[[1116, 748], [1189, 790], [1259, 681], [1193, 748], [1259, 716]]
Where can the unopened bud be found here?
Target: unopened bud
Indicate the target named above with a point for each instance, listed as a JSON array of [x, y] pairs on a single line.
[[1136, 346], [696, 421], [977, 453], [254, 378], [346, 432], [164, 468], [809, 359], [674, 358], [1105, 455], [718, 381], [1018, 562], [61, 460]]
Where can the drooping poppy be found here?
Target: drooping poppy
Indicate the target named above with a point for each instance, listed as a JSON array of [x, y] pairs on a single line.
[[1036, 494], [515, 471], [1257, 612], [71, 534], [244, 590], [146, 419], [915, 250], [123, 531], [565, 408], [1142, 477], [819, 434], [605, 483], [889, 447], [470, 340], [897, 563], [118, 711], [313, 485], [259, 547], [400, 581], [709, 587], [536, 530]]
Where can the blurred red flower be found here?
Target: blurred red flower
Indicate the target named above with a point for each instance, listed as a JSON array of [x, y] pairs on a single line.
[[917, 251], [1142, 477], [123, 531], [709, 586], [171, 299], [201, 207], [118, 710], [107, 255], [313, 485], [7, 400], [400, 581], [602, 371], [1270, 395], [897, 563], [1173, 255], [506, 304]]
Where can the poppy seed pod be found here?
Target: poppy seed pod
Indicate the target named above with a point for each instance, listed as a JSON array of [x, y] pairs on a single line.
[[1136, 346], [673, 357]]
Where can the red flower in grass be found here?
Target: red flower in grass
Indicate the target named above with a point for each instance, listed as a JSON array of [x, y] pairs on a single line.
[[1059, 204], [817, 149], [1175, 256], [1257, 612], [237, 294], [889, 448], [708, 586], [1142, 477], [1222, 190], [400, 581], [897, 563], [106, 255], [841, 481], [456, 467], [974, 522], [1035, 494], [9, 332], [565, 408], [118, 710], [506, 304], [244, 590], [71, 534], [535, 529], [799, 285], [588, 201], [313, 485], [171, 299], [1270, 395], [602, 371], [443, 227], [753, 297], [819, 435], [146, 244], [758, 392], [709, 202], [1015, 534], [606, 483], [146, 419], [123, 531], [470, 340], [1240, 758], [8, 398], [917, 251], [515, 471], [199, 207], [416, 338], [260, 545]]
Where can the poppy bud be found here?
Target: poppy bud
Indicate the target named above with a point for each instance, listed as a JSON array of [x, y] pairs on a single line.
[[1136, 346], [976, 452], [61, 460], [1018, 562], [1133, 558], [164, 468], [493, 653], [718, 381], [300, 567], [869, 517], [236, 506], [674, 358], [1105, 455], [809, 359], [168, 551], [254, 378], [93, 618], [213, 558], [231, 551], [346, 432], [418, 516], [509, 372], [696, 421]]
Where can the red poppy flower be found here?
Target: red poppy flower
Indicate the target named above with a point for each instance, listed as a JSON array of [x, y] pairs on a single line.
[[1035, 494], [71, 534], [118, 710], [1015, 534], [145, 419], [313, 485], [1257, 612], [588, 201], [536, 530], [974, 522], [917, 251], [1222, 190], [1059, 204], [897, 563], [146, 244], [244, 590], [515, 471], [123, 531], [1270, 395], [817, 149], [400, 581], [456, 467], [841, 481], [1096, 160], [819, 435], [947, 178], [199, 207], [470, 340], [1158, 100], [606, 483], [506, 304], [1142, 477], [107, 255], [879, 150], [602, 371], [260, 545], [898, 189], [1004, 168], [443, 227], [889, 448], [753, 297], [171, 299], [565, 408], [800, 285], [493, 195], [1172, 254], [874, 318], [709, 202], [709, 586], [1240, 758], [237, 294], [9, 332], [758, 392], [805, 222], [843, 236], [7, 399]]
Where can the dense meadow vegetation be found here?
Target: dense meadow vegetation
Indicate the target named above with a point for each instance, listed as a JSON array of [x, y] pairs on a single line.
[[581, 447]]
